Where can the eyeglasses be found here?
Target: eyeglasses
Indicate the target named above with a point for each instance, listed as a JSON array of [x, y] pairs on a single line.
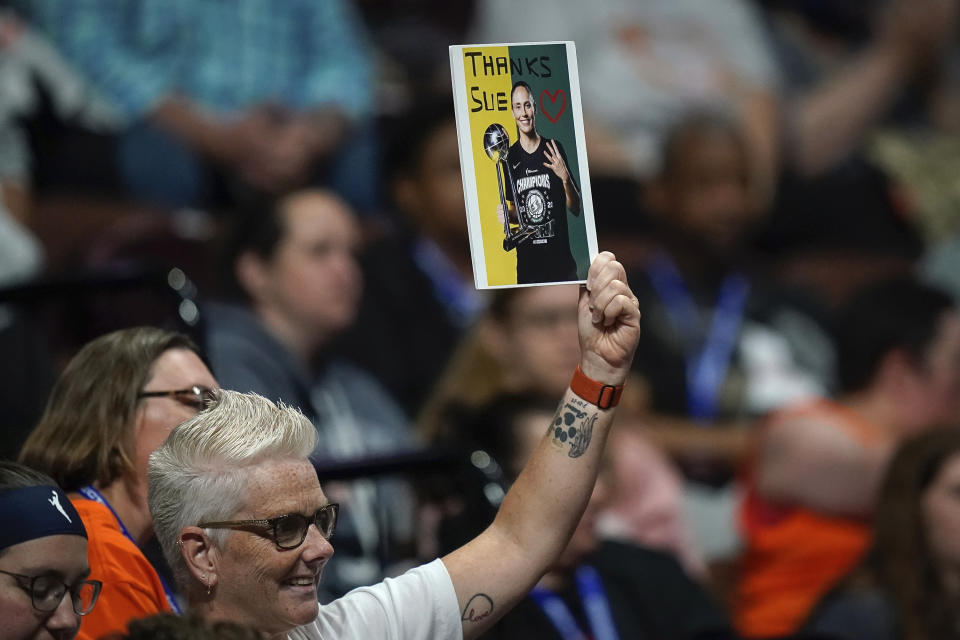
[[47, 591], [195, 397], [289, 530]]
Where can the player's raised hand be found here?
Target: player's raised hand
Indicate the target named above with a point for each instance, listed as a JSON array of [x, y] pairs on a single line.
[[555, 161], [609, 322]]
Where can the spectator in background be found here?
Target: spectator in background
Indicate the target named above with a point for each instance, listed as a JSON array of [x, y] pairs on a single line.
[[43, 558], [846, 67], [114, 403], [906, 586], [294, 263], [862, 82], [526, 341], [642, 592], [418, 298], [813, 483], [722, 343], [216, 97]]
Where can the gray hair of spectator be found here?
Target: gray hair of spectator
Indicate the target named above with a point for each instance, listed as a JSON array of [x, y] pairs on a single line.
[[199, 473]]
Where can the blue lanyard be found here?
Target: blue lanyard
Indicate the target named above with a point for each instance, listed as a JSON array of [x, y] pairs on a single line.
[[90, 493], [707, 357], [595, 604], [461, 300]]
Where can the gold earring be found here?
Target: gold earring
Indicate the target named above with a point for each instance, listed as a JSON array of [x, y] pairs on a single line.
[[206, 582]]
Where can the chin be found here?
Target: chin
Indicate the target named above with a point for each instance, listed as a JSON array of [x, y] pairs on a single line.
[[304, 613], [309, 613]]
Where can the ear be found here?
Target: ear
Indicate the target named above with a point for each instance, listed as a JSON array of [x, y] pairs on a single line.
[[200, 555], [251, 273]]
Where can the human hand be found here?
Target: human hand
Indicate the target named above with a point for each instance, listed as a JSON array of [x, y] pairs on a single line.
[[296, 142], [555, 161], [609, 322], [233, 142], [265, 148], [500, 217], [285, 162]]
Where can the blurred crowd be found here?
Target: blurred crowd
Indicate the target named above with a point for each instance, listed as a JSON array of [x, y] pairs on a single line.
[[278, 183]]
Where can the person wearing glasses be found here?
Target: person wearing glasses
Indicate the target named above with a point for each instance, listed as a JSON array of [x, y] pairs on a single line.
[[115, 402], [44, 585], [246, 528]]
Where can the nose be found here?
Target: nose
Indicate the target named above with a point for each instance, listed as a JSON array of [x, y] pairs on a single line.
[[315, 546], [64, 621]]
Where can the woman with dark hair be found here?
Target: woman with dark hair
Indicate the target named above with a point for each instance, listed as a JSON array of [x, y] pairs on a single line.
[[908, 587], [42, 559]]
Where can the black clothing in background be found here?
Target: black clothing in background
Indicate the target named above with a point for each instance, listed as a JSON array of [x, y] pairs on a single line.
[[651, 598]]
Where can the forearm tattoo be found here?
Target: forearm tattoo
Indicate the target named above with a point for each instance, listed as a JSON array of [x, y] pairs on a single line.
[[478, 607], [573, 425]]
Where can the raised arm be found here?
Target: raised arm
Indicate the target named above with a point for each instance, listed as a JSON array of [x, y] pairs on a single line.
[[816, 464], [496, 569]]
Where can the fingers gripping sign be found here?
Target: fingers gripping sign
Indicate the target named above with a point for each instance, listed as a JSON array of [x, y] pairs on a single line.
[[609, 321]]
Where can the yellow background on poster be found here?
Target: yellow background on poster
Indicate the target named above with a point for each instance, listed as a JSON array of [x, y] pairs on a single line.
[[493, 90]]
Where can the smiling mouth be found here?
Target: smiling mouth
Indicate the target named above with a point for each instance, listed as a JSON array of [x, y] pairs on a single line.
[[303, 581]]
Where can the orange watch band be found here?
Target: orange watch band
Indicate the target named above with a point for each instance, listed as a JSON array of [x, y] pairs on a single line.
[[604, 396]]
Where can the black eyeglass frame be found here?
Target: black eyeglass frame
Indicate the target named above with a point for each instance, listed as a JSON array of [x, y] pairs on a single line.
[[271, 524], [203, 395], [67, 588]]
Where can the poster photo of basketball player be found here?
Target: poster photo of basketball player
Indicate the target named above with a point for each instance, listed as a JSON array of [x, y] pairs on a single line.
[[529, 213]]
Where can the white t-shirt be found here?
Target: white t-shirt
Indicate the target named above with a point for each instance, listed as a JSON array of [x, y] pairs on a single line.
[[420, 604]]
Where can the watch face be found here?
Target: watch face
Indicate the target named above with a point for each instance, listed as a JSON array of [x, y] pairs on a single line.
[[536, 206]]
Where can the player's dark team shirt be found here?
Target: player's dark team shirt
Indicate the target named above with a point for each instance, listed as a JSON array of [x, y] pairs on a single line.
[[544, 257]]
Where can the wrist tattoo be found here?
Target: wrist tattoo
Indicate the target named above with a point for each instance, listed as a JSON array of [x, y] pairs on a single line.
[[478, 607], [573, 425]]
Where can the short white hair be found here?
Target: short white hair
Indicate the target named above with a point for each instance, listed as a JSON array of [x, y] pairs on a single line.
[[199, 473]]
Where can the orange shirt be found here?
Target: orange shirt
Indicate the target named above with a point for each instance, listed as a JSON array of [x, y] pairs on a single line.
[[793, 554], [131, 587]]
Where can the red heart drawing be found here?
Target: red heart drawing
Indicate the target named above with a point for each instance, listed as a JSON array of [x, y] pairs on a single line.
[[553, 102]]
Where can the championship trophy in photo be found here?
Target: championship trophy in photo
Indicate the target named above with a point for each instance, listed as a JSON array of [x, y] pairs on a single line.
[[496, 142]]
